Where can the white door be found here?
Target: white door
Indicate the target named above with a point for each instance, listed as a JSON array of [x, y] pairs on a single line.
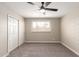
[[12, 33]]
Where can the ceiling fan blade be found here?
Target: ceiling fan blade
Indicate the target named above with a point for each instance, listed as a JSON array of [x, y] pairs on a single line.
[[51, 9], [30, 3], [47, 3]]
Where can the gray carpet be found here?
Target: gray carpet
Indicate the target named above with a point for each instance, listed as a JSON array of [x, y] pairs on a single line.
[[42, 50]]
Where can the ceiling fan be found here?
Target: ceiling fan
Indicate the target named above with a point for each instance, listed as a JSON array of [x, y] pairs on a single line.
[[43, 7]]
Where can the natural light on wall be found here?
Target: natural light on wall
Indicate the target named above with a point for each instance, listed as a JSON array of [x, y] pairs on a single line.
[[41, 26]]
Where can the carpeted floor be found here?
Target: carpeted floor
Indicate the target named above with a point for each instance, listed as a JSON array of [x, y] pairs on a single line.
[[42, 50]]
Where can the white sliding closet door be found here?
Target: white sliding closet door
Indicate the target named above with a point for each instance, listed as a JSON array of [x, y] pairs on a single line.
[[12, 33]]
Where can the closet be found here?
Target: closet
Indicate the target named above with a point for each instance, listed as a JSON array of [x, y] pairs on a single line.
[[13, 33]]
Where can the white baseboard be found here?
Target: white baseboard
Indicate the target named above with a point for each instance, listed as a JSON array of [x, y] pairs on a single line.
[[42, 42], [21, 44], [6, 55], [70, 48]]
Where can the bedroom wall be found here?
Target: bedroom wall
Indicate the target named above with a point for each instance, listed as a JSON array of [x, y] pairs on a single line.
[[53, 36], [4, 11], [70, 30]]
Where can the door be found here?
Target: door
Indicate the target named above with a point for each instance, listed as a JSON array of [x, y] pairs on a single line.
[[12, 33]]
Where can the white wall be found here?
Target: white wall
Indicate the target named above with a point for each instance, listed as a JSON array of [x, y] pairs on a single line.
[[52, 36], [70, 30], [21, 31], [4, 11]]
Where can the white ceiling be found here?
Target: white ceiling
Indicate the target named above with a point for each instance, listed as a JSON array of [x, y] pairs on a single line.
[[27, 10]]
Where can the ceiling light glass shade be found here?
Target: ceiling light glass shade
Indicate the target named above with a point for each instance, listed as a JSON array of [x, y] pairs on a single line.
[[43, 11]]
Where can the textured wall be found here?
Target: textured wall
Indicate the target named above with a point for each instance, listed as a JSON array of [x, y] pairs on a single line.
[[21, 31], [70, 30], [54, 35]]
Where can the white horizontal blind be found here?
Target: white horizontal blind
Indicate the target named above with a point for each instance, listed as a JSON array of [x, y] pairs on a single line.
[[41, 26]]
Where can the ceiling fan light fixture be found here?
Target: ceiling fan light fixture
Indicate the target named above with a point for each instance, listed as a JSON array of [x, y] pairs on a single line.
[[43, 8], [43, 11]]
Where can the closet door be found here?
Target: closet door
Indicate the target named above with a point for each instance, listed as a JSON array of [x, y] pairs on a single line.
[[12, 33]]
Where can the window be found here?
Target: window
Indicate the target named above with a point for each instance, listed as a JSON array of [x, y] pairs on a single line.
[[41, 26]]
